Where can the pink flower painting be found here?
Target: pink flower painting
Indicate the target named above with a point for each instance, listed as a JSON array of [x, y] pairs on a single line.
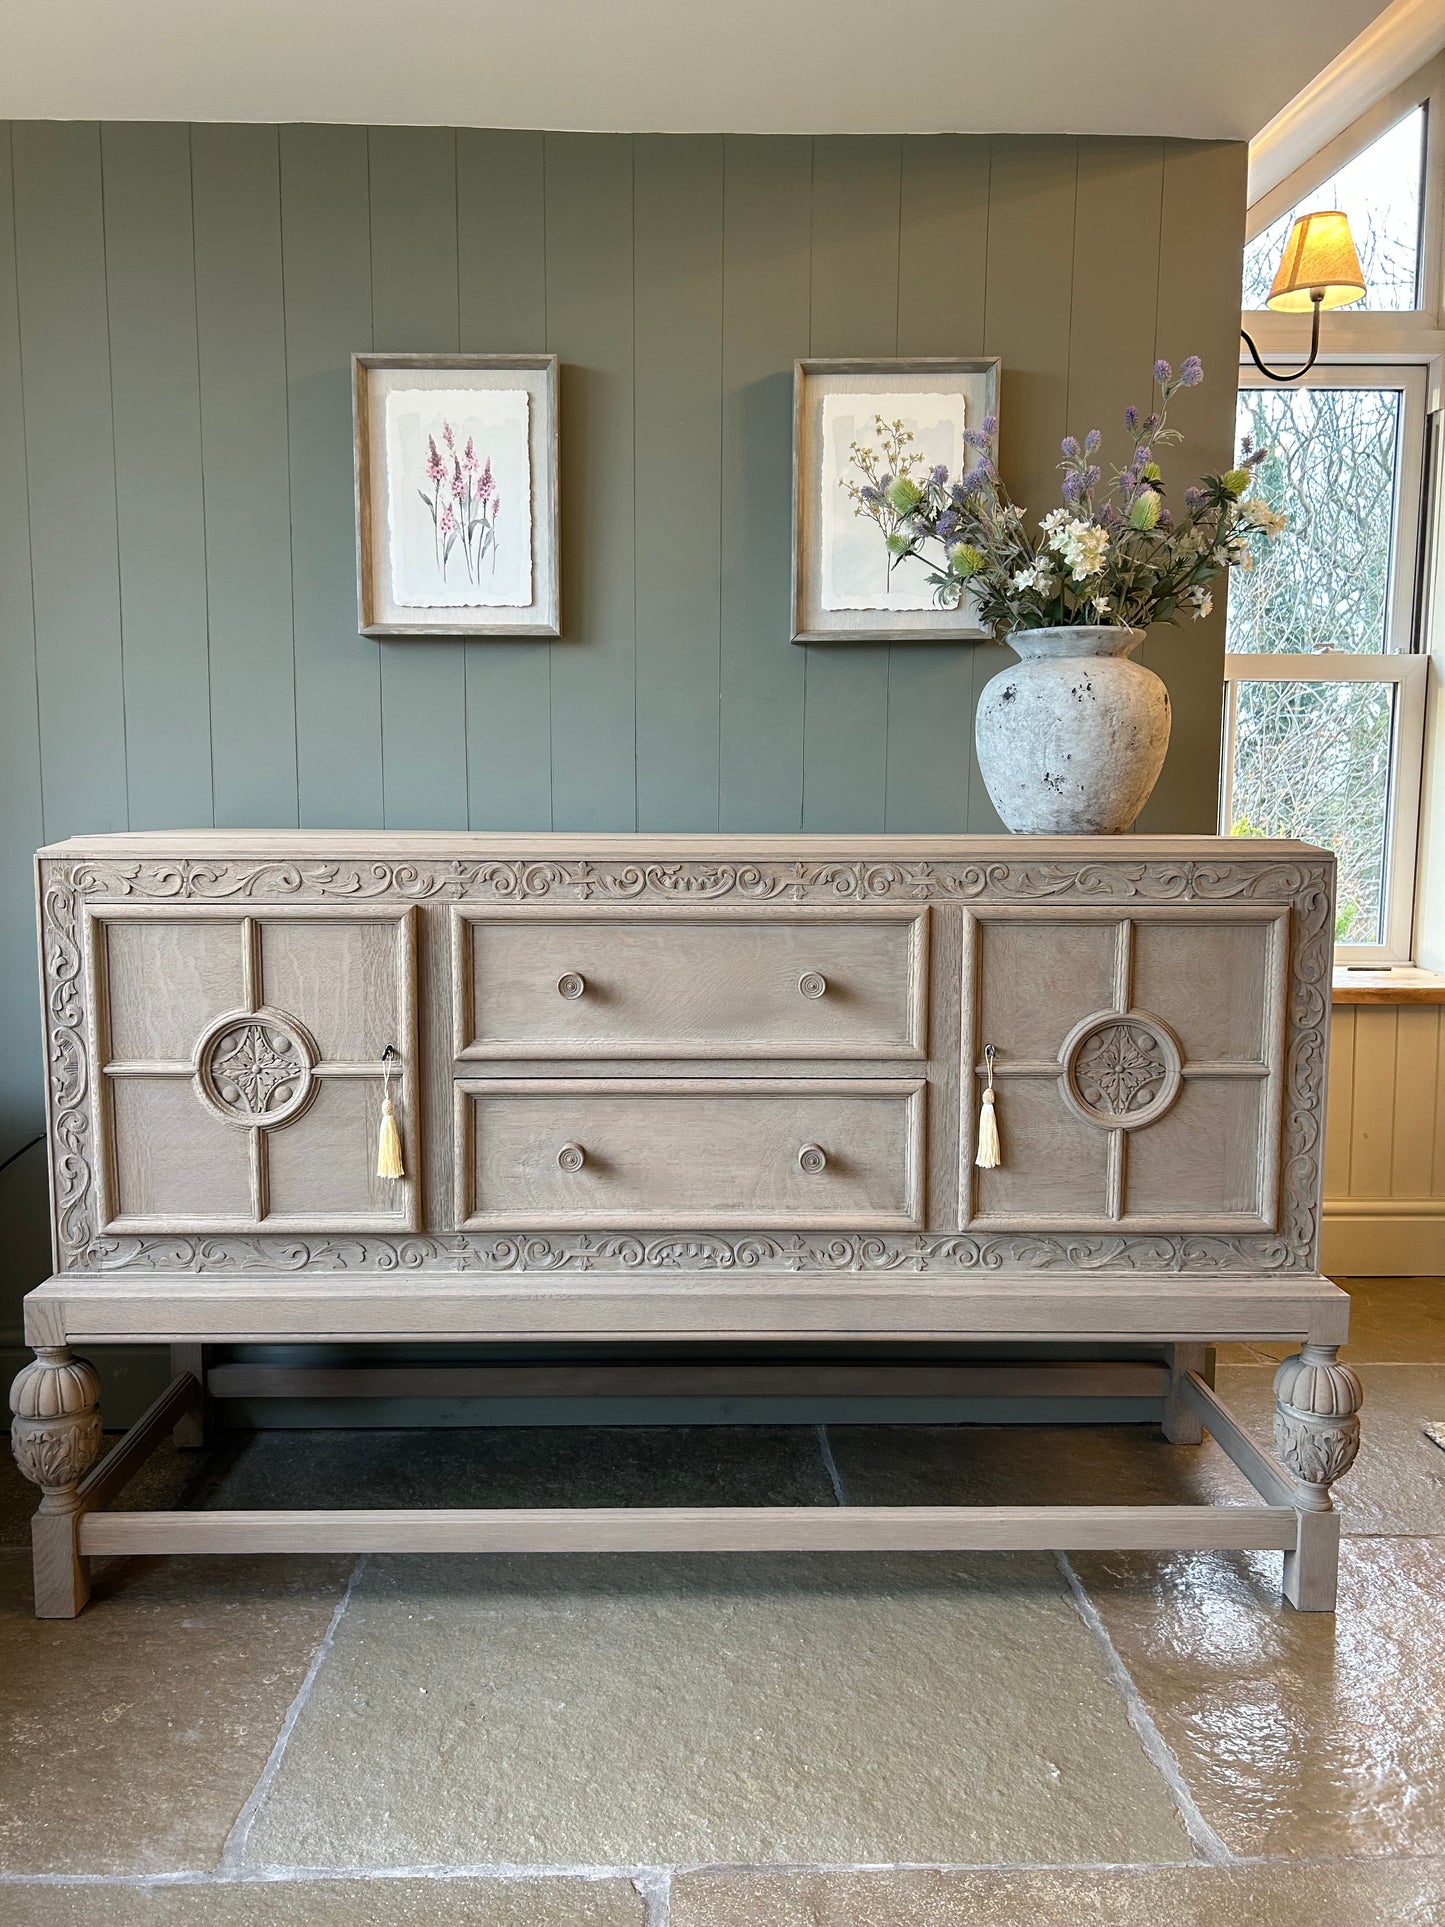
[[463, 504]]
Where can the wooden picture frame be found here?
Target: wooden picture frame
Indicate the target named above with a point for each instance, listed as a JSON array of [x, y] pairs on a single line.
[[819, 615], [433, 484]]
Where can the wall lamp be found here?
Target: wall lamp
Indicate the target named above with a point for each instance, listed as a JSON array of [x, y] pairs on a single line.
[[1319, 269]]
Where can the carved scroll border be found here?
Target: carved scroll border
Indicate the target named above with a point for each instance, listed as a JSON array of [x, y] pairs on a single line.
[[1303, 886]]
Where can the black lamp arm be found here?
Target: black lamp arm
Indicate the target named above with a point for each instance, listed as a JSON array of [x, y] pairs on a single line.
[[1291, 374]]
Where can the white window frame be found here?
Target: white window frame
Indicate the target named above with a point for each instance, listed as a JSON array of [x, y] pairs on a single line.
[[1398, 663]]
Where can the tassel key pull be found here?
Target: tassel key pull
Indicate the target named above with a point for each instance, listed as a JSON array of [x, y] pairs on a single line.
[[388, 1149], [989, 1154]]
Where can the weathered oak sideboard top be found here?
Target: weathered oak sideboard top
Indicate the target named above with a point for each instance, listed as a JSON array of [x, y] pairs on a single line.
[[681, 1084]]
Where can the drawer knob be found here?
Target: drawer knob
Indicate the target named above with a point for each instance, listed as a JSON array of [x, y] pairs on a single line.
[[571, 1157], [812, 1159], [571, 985], [812, 983]]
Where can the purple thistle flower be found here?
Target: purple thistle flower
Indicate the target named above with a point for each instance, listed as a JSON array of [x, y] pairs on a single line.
[[447, 435], [1151, 422], [990, 426], [978, 477], [1192, 373], [872, 496], [1071, 448], [1092, 440], [1162, 371], [1073, 486], [1131, 418], [947, 523], [1166, 520], [939, 476], [1193, 498], [1091, 476], [436, 468], [975, 438]]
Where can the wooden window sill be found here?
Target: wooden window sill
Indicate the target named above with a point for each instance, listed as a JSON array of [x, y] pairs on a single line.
[[1405, 984]]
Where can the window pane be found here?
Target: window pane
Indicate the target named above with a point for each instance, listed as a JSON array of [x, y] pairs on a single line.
[[1312, 759], [1332, 468], [1380, 191]]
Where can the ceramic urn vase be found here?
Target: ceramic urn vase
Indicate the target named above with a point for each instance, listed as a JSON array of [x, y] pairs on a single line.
[[1072, 737]]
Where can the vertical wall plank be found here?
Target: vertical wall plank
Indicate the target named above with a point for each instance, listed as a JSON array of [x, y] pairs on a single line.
[[65, 350], [942, 270], [678, 425], [589, 324], [326, 253], [1339, 1101], [1114, 289], [502, 295], [1372, 1133], [414, 309], [159, 483], [854, 311], [1417, 1081], [1032, 191], [1200, 263], [767, 195], [241, 327], [22, 824]]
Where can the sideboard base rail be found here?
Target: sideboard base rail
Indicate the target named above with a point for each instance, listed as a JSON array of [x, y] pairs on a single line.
[[74, 1525]]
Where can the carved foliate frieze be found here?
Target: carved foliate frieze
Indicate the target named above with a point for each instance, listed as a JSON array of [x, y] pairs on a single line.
[[941, 1254], [1303, 886]]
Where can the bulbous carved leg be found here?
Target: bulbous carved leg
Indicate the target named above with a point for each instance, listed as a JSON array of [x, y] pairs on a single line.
[[1316, 1435], [56, 1439]]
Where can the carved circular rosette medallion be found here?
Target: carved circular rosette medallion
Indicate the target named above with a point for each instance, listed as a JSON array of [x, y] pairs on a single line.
[[256, 1068], [1120, 1070]]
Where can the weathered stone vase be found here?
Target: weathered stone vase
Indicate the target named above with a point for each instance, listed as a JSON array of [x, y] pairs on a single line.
[[1071, 739]]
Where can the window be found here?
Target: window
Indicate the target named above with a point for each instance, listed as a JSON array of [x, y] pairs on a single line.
[[1324, 699], [1380, 190]]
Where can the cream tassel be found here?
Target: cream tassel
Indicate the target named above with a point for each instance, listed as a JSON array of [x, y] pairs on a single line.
[[989, 1156], [388, 1150]]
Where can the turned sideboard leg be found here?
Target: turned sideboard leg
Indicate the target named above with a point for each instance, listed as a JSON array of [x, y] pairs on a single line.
[[1316, 1435], [56, 1437]]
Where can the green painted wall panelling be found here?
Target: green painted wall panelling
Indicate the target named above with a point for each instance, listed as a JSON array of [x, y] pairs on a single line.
[[177, 598]]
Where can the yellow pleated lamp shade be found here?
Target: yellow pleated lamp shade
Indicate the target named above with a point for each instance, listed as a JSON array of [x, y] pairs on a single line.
[[1319, 256]]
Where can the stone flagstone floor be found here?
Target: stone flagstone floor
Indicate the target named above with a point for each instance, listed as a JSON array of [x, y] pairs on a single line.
[[772, 1741]]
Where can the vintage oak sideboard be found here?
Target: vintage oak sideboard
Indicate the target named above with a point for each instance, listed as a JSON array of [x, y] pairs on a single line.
[[704, 1090]]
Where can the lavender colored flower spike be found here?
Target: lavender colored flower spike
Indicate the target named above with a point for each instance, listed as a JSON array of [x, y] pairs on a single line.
[[1131, 418], [1071, 448], [1073, 486], [990, 426], [1092, 440], [1162, 371], [939, 476], [1193, 498], [1092, 476], [1192, 373]]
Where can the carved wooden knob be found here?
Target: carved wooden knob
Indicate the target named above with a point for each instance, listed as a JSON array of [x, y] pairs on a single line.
[[812, 983], [571, 985], [812, 1159], [571, 1157]]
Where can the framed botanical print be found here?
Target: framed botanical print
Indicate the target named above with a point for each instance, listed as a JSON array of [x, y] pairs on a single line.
[[456, 495], [856, 426]]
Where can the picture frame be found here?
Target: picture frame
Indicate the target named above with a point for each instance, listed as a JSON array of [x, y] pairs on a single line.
[[842, 589], [457, 512]]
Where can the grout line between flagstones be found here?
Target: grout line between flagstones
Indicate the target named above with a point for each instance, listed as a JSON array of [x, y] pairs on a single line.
[[234, 1850], [830, 1466], [655, 1889], [1156, 1749]]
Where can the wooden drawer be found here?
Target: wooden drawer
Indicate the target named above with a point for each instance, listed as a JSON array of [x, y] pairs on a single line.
[[551, 1153], [690, 983]]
